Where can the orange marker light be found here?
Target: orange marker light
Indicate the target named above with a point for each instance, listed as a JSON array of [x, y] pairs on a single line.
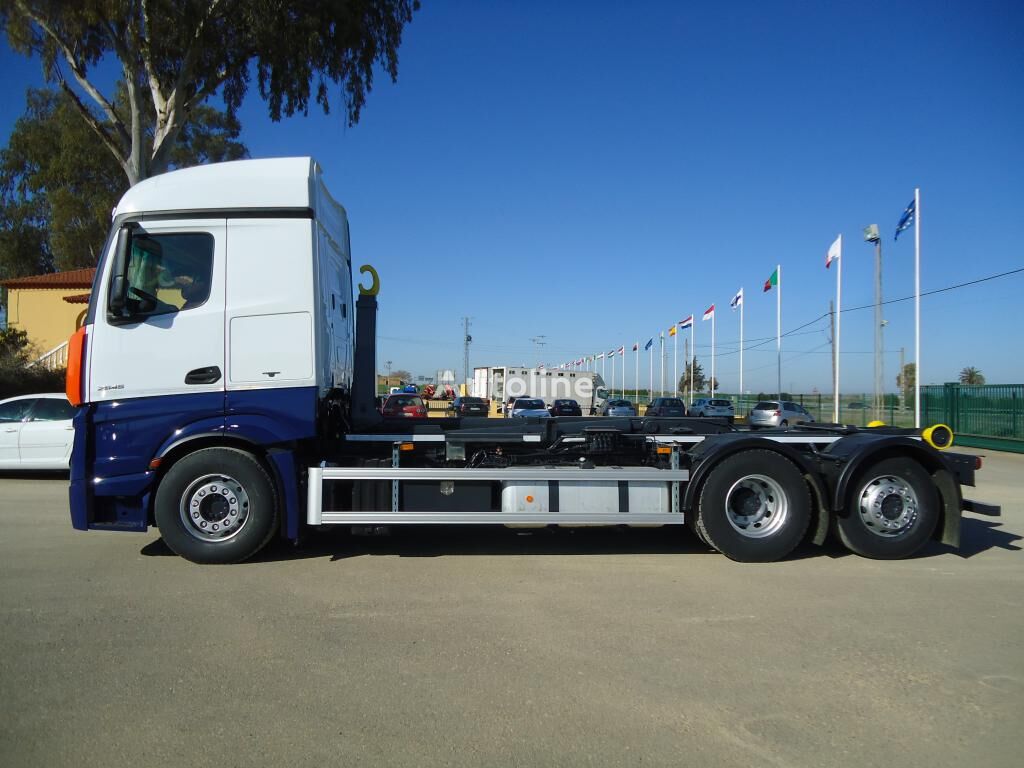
[[73, 380], [529, 499]]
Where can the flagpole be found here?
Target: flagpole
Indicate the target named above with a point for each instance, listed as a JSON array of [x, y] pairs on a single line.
[[742, 302], [650, 392], [675, 361], [916, 307], [661, 354], [778, 324], [713, 320], [693, 351], [839, 317], [636, 380]]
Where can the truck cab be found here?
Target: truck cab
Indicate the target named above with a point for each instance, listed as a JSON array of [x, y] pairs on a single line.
[[221, 315]]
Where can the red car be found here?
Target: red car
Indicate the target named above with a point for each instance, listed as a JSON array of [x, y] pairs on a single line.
[[409, 406]]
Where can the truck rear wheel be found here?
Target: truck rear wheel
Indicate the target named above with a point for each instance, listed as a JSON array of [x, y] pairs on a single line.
[[216, 505], [891, 512], [754, 507]]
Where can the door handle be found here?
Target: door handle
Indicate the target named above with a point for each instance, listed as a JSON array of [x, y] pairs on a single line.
[[208, 375]]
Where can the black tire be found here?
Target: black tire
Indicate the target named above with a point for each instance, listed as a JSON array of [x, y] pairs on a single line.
[[772, 489], [227, 492], [871, 530]]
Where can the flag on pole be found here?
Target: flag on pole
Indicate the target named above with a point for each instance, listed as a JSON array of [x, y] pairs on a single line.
[[636, 346], [771, 281], [622, 351], [649, 344], [672, 331], [737, 299], [612, 353], [687, 323], [906, 219], [834, 251], [601, 356], [709, 312]]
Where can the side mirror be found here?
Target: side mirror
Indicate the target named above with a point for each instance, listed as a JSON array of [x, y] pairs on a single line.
[[119, 273]]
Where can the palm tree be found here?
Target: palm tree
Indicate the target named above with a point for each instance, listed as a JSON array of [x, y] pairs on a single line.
[[971, 375]]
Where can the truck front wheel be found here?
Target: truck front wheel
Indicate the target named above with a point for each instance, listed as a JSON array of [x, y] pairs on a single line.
[[216, 505], [754, 507], [892, 511]]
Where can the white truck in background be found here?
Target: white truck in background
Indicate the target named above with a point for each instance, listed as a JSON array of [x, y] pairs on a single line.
[[501, 382]]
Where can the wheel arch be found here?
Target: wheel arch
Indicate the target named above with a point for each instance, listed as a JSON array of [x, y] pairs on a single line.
[[173, 451], [715, 454], [947, 489]]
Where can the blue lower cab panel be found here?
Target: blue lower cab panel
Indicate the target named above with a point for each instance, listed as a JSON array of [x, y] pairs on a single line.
[[111, 483]]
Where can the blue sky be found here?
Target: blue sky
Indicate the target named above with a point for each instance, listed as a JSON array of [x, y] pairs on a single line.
[[594, 172]]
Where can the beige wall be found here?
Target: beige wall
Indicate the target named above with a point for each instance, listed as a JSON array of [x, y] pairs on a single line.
[[44, 315]]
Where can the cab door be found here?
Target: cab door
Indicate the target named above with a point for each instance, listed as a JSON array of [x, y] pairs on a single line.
[[165, 336]]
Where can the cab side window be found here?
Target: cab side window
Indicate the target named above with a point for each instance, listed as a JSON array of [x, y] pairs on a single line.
[[167, 273]]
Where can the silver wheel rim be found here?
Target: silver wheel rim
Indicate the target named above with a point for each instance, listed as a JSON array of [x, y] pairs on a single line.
[[756, 506], [888, 506], [214, 508]]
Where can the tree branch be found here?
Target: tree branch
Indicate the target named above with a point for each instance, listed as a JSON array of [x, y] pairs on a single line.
[[159, 102], [169, 124], [79, 73], [97, 126]]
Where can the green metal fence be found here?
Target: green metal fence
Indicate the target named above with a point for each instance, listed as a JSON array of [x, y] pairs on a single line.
[[987, 416]]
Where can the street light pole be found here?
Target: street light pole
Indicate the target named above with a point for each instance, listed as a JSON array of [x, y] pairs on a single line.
[[871, 235]]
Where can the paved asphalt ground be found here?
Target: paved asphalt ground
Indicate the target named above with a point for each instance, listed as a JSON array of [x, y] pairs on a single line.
[[490, 647]]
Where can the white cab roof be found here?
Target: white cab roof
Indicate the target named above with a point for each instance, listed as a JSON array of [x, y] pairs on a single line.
[[285, 182]]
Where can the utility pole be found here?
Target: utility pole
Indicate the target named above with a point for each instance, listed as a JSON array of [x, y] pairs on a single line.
[[871, 236], [467, 340]]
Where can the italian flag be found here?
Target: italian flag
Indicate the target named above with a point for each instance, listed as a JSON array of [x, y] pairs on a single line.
[[773, 280]]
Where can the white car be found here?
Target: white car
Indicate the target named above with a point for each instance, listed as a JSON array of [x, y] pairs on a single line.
[[36, 432]]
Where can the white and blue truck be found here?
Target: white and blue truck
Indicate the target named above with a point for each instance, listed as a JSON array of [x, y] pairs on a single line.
[[226, 377]]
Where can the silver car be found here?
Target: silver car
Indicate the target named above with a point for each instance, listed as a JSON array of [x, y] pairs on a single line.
[[776, 413], [712, 406], [528, 408], [618, 408]]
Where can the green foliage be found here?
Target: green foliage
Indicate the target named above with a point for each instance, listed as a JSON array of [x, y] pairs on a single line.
[[176, 54], [16, 376], [58, 185], [29, 381], [972, 376], [14, 349]]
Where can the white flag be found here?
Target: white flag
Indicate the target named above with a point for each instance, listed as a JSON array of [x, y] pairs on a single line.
[[834, 251]]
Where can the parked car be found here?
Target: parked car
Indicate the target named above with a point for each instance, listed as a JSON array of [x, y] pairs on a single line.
[[565, 408], [776, 413], [666, 406], [470, 406], [36, 432], [524, 407], [618, 408], [402, 405], [712, 406], [856, 406]]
